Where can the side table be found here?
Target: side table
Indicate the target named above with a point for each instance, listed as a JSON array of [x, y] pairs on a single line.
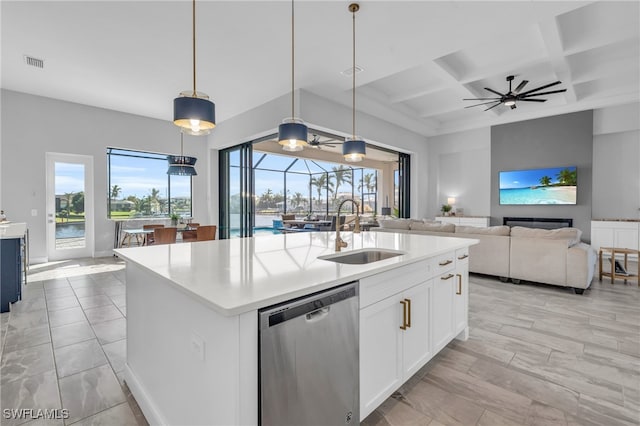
[[612, 273]]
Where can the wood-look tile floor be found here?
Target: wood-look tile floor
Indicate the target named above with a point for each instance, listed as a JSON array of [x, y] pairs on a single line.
[[537, 355]]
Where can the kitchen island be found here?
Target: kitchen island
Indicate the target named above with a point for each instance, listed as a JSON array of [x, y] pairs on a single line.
[[192, 315]]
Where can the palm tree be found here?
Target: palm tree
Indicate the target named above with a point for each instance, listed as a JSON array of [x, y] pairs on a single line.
[[368, 182], [154, 200], [545, 181], [298, 199], [68, 196], [115, 192], [321, 182], [342, 175], [567, 177]]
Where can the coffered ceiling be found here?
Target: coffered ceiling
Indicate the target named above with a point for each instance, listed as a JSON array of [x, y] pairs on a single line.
[[420, 58]]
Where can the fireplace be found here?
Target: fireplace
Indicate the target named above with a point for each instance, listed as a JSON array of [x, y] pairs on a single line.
[[538, 222]]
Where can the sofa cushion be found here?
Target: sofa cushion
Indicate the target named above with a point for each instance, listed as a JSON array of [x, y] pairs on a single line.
[[433, 226], [572, 235], [395, 223], [492, 230]]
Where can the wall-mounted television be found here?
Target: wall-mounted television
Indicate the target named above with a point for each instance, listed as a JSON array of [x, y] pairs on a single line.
[[555, 185]]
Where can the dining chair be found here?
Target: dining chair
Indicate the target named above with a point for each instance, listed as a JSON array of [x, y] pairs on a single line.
[[164, 235], [193, 225], [206, 233], [190, 236], [149, 237]]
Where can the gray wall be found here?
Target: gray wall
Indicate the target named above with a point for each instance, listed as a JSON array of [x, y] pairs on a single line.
[[562, 140], [34, 125]]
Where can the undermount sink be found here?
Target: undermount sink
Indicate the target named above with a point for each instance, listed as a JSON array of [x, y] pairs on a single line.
[[361, 257]]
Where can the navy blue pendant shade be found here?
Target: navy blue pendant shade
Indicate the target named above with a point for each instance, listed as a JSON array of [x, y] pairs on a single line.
[[194, 115], [353, 149], [181, 165], [292, 135]]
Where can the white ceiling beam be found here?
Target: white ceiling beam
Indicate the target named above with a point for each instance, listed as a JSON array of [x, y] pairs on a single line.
[[550, 34]]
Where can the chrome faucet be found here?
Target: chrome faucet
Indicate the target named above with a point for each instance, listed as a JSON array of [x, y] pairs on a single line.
[[356, 230]]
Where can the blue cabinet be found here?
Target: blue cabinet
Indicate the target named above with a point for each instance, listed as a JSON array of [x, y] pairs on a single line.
[[10, 272]]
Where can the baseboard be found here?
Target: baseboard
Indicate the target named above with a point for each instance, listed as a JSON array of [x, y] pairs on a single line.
[[147, 406], [36, 260], [105, 253]]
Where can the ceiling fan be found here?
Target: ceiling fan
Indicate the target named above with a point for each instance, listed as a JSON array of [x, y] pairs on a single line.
[[316, 143], [512, 96]]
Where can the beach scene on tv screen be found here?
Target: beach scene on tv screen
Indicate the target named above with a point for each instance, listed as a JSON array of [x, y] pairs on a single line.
[[556, 185]]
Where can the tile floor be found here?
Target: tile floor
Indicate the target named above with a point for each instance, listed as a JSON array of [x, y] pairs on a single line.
[[64, 345], [537, 355]]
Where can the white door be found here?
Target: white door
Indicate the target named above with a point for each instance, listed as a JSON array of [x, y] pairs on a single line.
[[69, 206], [416, 339], [443, 310]]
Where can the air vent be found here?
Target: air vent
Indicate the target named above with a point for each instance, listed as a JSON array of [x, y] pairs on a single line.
[[349, 71], [34, 62]]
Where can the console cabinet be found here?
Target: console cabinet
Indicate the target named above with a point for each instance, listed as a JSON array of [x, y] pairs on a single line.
[[619, 234], [480, 222], [11, 272]]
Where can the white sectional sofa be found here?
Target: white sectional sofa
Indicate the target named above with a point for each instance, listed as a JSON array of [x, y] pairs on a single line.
[[550, 256]]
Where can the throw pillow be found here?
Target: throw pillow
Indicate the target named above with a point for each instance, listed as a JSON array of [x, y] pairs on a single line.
[[491, 230], [395, 223], [572, 235]]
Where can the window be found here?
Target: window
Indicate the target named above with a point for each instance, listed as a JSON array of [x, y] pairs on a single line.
[[139, 186]]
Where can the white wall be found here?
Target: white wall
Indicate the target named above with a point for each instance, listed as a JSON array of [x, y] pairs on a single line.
[[460, 166], [325, 114], [616, 162], [34, 125]]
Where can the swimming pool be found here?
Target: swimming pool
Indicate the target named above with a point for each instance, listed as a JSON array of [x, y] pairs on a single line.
[[257, 231]]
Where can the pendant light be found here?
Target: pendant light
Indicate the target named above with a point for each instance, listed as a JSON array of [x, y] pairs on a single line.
[[193, 112], [292, 133], [353, 148], [180, 165]]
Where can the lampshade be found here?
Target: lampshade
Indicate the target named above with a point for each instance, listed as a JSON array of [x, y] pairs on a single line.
[[353, 149], [451, 201], [181, 166], [292, 134], [194, 115], [193, 112]]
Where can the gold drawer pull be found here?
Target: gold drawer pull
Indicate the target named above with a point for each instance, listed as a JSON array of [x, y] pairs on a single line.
[[404, 314], [464, 256], [446, 277], [445, 263], [409, 312], [459, 284]]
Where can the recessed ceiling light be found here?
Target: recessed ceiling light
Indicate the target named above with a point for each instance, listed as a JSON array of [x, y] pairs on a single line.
[[349, 71], [34, 62]]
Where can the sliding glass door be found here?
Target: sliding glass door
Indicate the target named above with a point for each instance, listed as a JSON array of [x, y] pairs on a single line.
[[236, 202]]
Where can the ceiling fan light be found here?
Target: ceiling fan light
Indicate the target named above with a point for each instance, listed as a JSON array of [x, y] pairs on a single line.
[[194, 115], [292, 134], [510, 102], [353, 150]]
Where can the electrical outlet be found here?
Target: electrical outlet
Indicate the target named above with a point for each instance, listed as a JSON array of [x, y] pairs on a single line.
[[197, 346], [34, 212]]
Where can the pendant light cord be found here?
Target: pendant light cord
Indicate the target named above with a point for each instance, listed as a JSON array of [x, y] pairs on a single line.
[[181, 144], [293, 56], [354, 7], [193, 19]]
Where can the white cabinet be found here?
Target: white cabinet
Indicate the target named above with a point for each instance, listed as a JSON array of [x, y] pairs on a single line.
[[619, 234], [479, 222], [461, 295], [394, 344]]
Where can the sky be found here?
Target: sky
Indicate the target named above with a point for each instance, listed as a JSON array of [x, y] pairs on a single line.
[[527, 178]]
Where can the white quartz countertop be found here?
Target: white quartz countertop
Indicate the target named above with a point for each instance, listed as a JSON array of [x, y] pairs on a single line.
[[12, 229], [243, 274]]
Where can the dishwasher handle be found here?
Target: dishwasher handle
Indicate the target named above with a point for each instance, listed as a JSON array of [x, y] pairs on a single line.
[[318, 315]]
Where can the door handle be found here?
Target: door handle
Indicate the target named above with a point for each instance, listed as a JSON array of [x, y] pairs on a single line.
[[464, 256], [408, 312], [459, 284], [317, 315], [446, 277], [404, 314]]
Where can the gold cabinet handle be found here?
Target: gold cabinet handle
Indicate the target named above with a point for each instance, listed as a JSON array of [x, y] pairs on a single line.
[[446, 277], [459, 284], [404, 314], [446, 262], [409, 312], [464, 256]]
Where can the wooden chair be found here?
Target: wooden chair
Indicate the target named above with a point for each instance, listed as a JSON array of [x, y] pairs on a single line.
[[288, 217], [164, 235], [194, 225], [149, 237], [206, 233], [189, 236]]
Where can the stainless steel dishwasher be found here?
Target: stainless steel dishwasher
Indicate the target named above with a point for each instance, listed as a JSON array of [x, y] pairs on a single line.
[[309, 363]]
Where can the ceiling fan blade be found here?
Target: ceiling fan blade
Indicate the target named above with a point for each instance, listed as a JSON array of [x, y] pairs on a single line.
[[540, 88], [533, 100], [543, 93], [521, 86], [493, 91], [480, 99], [497, 103], [484, 103]]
